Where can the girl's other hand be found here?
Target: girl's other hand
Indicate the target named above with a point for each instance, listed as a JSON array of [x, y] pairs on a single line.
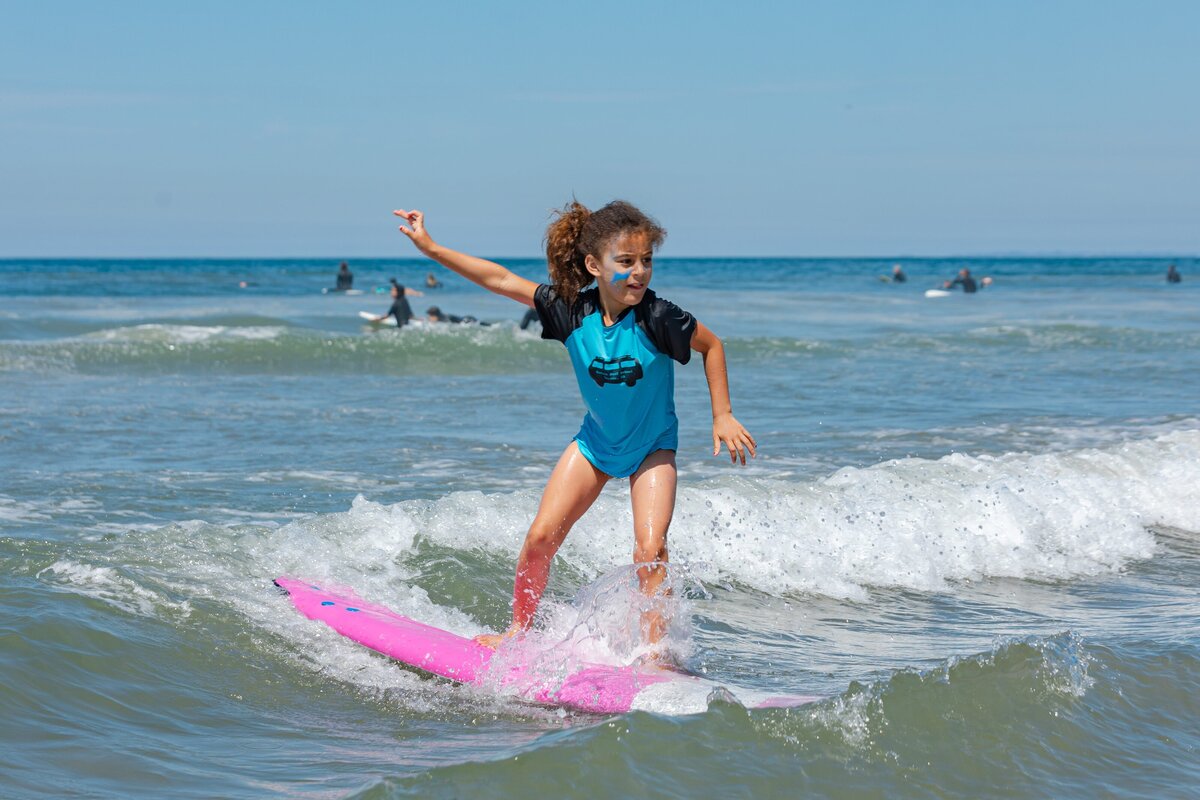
[[417, 233], [727, 430]]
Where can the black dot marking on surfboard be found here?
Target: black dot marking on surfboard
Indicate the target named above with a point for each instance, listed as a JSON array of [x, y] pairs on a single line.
[[328, 603], [348, 608]]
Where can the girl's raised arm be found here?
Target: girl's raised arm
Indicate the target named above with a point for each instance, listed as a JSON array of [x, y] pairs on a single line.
[[487, 274]]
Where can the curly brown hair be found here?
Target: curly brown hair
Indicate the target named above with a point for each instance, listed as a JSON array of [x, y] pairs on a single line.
[[575, 233]]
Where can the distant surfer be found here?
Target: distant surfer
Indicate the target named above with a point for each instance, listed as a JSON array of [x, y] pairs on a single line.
[[530, 317], [623, 341], [345, 278], [400, 309], [898, 275], [1173, 275], [435, 314], [964, 280], [431, 281]]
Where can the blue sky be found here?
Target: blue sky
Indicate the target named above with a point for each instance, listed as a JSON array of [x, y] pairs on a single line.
[[832, 128]]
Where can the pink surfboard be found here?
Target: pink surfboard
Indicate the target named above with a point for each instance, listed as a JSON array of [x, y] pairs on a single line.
[[594, 688]]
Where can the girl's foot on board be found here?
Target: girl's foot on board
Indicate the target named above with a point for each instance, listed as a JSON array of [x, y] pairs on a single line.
[[494, 640], [490, 640]]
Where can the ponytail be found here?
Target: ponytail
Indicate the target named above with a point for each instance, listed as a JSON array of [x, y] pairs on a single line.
[[563, 255], [575, 233]]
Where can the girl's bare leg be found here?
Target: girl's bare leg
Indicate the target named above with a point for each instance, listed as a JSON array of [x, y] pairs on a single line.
[[652, 490], [573, 486]]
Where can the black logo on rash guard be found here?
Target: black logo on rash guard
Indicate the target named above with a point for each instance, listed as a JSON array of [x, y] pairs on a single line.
[[623, 369]]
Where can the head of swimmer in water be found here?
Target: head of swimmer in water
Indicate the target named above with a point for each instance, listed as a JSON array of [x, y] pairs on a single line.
[[613, 246], [397, 289]]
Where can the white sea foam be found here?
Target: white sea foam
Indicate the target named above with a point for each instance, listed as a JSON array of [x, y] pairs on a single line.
[[12, 510], [344, 480], [184, 334], [918, 524], [107, 585], [912, 523], [21, 510]]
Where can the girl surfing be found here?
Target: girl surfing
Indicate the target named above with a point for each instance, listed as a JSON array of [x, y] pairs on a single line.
[[622, 340]]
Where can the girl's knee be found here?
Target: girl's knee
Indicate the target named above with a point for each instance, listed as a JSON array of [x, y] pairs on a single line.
[[543, 540]]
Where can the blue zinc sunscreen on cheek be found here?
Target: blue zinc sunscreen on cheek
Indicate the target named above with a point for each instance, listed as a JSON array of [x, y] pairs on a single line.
[[620, 276]]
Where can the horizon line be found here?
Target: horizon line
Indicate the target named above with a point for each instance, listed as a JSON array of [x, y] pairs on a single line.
[[1018, 255]]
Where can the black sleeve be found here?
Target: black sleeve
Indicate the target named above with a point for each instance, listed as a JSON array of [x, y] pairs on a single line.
[[669, 327], [555, 315]]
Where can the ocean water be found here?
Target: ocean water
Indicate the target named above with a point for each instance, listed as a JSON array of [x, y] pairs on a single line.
[[973, 527]]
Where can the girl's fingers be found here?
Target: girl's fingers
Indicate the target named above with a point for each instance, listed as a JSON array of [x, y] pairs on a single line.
[[746, 441], [738, 446], [738, 443]]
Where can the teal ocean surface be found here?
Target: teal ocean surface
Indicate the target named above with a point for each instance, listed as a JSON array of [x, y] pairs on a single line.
[[973, 527]]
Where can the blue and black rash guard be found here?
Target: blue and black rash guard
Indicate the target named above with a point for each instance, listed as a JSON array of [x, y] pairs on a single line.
[[625, 373]]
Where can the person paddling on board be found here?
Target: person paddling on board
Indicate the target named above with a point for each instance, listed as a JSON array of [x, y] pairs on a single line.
[[435, 314], [964, 280], [622, 340], [400, 309]]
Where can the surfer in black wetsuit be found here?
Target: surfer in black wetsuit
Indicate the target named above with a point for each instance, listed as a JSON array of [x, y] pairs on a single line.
[[400, 309], [435, 314], [898, 275], [964, 280], [1173, 275], [345, 278]]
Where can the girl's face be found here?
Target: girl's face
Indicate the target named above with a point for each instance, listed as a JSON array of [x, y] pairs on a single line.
[[624, 268]]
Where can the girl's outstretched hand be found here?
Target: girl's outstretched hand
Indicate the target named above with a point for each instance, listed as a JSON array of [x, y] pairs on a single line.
[[417, 233], [727, 430]]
